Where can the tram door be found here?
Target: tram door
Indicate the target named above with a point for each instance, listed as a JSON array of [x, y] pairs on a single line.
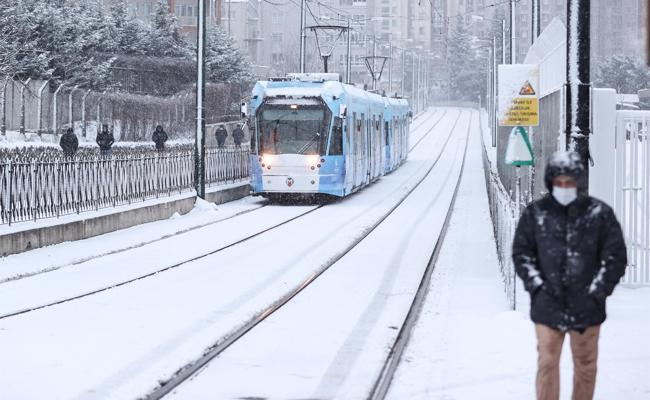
[[369, 145]]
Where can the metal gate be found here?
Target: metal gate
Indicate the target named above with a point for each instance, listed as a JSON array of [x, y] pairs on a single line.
[[633, 191]]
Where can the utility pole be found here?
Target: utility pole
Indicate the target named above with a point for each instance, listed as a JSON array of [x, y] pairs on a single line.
[[503, 41], [403, 72], [348, 69], [303, 36], [413, 96], [578, 86], [199, 142], [390, 67], [493, 120], [229, 3], [374, 55], [536, 26], [513, 27]]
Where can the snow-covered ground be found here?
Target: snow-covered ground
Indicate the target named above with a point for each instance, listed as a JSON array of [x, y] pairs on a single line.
[[469, 345], [328, 342]]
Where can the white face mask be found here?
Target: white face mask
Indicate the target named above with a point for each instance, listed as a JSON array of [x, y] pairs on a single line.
[[565, 196]]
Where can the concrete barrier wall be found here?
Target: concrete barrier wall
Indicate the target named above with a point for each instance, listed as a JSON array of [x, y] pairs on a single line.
[[21, 241]]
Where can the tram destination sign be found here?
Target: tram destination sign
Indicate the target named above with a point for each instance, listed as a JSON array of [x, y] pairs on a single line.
[[519, 95]]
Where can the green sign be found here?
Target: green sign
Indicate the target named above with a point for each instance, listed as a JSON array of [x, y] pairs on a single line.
[[519, 151]]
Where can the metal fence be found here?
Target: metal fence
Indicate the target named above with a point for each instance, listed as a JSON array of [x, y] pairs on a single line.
[[504, 223], [51, 186], [633, 191]]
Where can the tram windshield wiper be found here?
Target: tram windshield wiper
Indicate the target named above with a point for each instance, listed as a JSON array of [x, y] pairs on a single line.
[[309, 143]]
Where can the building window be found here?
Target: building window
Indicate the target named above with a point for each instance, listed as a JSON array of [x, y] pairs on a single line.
[[276, 18]]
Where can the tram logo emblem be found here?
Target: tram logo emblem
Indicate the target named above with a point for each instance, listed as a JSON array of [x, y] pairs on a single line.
[[290, 181]]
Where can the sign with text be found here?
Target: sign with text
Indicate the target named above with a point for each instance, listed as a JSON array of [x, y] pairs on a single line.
[[518, 95]]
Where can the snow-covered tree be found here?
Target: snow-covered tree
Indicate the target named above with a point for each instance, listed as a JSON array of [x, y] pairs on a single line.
[[224, 61], [126, 34], [467, 77], [624, 73], [165, 38]]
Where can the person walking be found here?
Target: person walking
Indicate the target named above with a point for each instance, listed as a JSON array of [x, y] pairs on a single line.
[[69, 143], [105, 141], [159, 137], [238, 136], [570, 253], [221, 134]]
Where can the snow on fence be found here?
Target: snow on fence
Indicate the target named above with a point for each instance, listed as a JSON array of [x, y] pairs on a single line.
[[51, 186], [504, 222], [633, 191]]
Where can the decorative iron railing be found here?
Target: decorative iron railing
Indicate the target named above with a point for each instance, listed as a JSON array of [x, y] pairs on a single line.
[[51, 186]]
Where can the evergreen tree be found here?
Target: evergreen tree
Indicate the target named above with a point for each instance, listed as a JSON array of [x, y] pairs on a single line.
[[165, 37], [624, 73], [467, 70], [224, 61], [126, 33]]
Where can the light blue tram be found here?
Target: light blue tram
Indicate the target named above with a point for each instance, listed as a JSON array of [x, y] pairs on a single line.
[[312, 134]]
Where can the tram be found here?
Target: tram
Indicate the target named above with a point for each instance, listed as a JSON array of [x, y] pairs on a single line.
[[312, 134]]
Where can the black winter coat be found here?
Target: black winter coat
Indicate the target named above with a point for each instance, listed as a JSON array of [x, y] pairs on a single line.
[[105, 140], [69, 143], [221, 134], [570, 259], [159, 138], [238, 136]]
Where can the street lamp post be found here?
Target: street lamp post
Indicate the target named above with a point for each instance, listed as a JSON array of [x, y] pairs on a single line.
[[199, 144], [513, 27]]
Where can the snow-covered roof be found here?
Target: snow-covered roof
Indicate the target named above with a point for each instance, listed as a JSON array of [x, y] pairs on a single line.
[[294, 91]]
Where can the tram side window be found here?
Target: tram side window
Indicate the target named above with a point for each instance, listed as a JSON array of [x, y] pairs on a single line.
[[336, 141], [386, 133], [252, 124]]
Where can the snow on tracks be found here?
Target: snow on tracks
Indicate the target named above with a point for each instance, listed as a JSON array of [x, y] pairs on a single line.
[[315, 345], [138, 334]]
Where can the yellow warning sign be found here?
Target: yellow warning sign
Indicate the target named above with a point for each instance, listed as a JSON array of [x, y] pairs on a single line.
[[524, 111], [527, 90], [518, 95]]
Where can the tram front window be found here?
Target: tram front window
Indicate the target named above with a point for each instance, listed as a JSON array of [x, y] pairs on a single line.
[[286, 130]]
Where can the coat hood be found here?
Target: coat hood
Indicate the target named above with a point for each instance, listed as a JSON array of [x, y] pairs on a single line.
[[563, 163]]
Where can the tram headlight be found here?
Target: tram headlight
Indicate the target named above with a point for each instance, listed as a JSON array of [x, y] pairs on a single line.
[[266, 160], [312, 161]]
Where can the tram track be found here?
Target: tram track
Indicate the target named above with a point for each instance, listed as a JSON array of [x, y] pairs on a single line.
[[382, 384], [204, 255], [127, 248], [228, 340]]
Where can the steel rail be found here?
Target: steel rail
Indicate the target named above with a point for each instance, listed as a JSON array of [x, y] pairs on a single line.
[[382, 384], [228, 340], [169, 267], [132, 247]]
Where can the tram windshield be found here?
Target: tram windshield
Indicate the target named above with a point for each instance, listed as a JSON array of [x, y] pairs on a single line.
[[293, 130]]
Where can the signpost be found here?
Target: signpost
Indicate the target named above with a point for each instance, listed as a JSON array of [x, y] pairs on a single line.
[[519, 107]]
